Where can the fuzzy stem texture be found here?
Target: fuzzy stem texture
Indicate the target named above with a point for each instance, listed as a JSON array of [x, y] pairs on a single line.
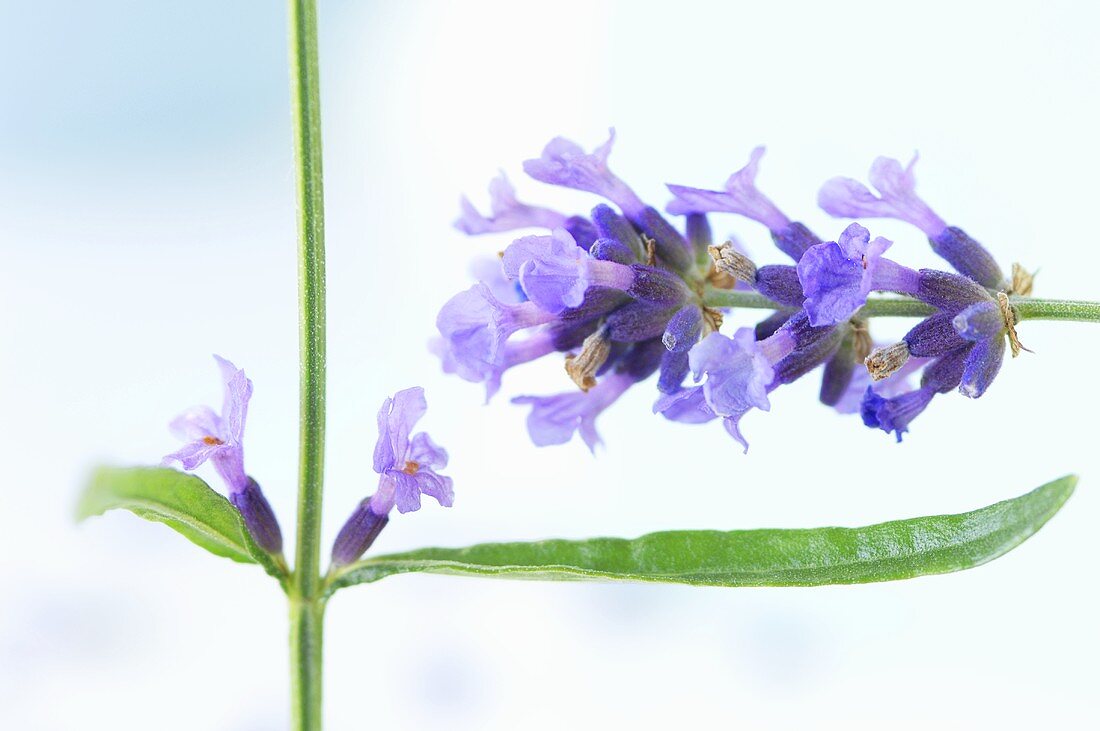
[[306, 602]]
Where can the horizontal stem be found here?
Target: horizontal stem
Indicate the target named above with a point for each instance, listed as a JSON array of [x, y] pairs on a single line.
[[1044, 309], [1027, 308]]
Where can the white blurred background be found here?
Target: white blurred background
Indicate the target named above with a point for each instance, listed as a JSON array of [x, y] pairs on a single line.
[[146, 221]]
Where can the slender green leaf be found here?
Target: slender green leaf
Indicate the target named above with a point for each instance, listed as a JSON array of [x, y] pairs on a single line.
[[801, 557], [181, 501]]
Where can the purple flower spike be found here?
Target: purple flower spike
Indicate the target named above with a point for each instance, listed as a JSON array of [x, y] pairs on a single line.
[[220, 438], [508, 214], [475, 325], [836, 277], [554, 419], [407, 466], [847, 198], [564, 163], [740, 196]]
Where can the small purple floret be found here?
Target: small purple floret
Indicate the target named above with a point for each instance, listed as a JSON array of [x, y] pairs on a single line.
[[564, 163], [741, 196], [555, 419], [507, 213], [407, 466], [847, 198], [836, 277]]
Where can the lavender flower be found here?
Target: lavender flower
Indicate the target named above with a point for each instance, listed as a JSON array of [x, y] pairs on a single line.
[[507, 213], [625, 295], [564, 163], [836, 277], [407, 468], [220, 439], [475, 327], [742, 197], [847, 198]]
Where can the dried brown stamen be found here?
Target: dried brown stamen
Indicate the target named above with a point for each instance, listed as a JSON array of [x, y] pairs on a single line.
[[1023, 281], [861, 339], [712, 320], [411, 468], [582, 367], [729, 260], [1010, 319], [886, 361], [212, 441]]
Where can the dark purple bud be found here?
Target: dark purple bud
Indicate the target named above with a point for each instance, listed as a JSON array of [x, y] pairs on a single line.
[[944, 374], [598, 301], [779, 282], [671, 247], [657, 286], [610, 225], [684, 329], [640, 362], [582, 231], [804, 360], [767, 327], [933, 337], [618, 350], [980, 321], [674, 368], [838, 372], [948, 292], [638, 321], [612, 250], [982, 366], [571, 335], [968, 257], [258, 517], [699, 234], [794, 240], [358, 534], [806, 335]]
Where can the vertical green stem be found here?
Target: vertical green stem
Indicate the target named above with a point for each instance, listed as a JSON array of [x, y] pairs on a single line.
[[306, 604]]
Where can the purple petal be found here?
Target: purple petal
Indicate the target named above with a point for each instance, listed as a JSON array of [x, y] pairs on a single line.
[[846, 198], [406, 492], [738, 373], [395, 421], [196, 423], [554, 419], [427, 453], [508, 213], [564, 163], [740, 196], [193, 454], [687, 406], [437, 486]]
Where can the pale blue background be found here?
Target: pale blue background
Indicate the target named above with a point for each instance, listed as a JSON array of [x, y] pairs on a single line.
[[146, 220]]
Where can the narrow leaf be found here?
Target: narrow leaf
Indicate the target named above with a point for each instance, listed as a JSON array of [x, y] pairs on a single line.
[[181, 501], [800, 557]]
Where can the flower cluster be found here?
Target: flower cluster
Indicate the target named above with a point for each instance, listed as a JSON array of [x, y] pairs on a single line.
[[406, 464], [624, 294]]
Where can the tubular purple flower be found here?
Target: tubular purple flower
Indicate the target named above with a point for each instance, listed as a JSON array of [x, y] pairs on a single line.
[[554, 419], [507, 213], [407, 468], [564, 163], [555, 274], [895, 413], [836, 277], [220, 439], [847, 198], [741, 196], [475, 326], [739, 371]]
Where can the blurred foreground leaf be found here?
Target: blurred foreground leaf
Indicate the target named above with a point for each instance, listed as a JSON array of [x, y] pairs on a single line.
[[181, 501], [900, 549]]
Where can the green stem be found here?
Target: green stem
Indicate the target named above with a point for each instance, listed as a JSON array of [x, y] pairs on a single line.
[[306, 602], [1027, 308], [1043, 309]]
